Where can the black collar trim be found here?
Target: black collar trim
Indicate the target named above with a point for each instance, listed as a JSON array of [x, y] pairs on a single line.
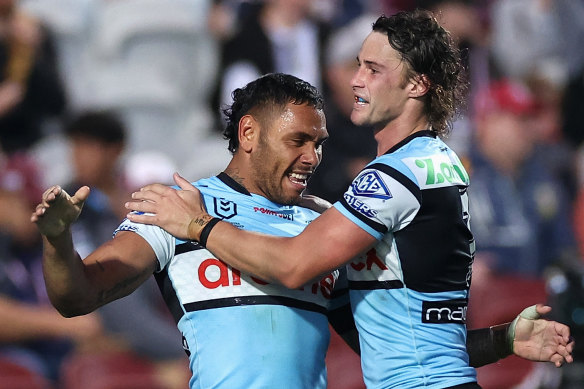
[[230, 182], [428, 133]]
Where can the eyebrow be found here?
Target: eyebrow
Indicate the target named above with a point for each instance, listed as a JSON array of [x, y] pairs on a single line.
[[369, 62], [305, 136]]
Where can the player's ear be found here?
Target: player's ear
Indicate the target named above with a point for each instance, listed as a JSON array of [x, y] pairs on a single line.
[[248, 132], [419, 85]]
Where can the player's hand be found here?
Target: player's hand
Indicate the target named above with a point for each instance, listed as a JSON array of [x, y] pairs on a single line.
[[166, 207], [542, 340], [58, 210]]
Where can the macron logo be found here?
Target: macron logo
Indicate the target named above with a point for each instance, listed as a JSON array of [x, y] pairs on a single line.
[[370, 184]]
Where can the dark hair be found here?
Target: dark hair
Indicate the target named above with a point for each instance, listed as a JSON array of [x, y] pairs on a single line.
[[104, 126], [428, 49], [269, 92]]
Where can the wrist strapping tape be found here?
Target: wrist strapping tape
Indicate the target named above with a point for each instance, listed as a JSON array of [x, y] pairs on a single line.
[[529, 313]]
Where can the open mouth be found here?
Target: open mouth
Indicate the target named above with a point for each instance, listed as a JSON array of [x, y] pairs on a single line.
[[360, 100], [299, 178]]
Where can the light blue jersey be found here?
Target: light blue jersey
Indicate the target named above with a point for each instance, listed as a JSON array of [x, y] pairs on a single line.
[[239, 331], [409, 293]]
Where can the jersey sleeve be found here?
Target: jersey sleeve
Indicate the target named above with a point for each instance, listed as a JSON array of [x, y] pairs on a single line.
[[161, 241], [381, 199]]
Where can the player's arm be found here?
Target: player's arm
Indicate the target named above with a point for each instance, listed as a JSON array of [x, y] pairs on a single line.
[[528, 336], [76, 286], [327, 243]]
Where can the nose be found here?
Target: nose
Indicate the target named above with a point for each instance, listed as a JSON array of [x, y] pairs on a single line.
[[357, 79], [311, 156]]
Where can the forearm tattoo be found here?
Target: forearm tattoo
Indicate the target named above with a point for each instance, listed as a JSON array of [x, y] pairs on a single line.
[[121, 287]]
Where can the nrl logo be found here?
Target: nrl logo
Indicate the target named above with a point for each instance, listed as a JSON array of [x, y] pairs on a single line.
[[370, 184], [224, 208]]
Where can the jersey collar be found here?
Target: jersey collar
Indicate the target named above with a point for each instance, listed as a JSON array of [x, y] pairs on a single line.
[[427, 133], [230, 182]]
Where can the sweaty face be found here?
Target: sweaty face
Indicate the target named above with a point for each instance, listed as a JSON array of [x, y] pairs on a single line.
[[287, 153], [378, 84]]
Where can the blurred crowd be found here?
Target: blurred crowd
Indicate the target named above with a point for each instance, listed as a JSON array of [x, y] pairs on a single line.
[[115, 94]]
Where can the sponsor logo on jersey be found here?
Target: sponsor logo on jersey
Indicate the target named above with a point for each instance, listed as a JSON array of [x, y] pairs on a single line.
[[213, 273], [446, 311], [437, 170], [225, 209], [126, 227], [370, 184], [367, 261], [271, 212], [359, 206]]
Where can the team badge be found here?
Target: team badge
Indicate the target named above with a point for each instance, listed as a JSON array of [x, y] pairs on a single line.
[[370, 184], [225, 209]]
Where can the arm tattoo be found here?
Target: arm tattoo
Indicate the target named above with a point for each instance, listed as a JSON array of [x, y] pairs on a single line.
[[120, 289]]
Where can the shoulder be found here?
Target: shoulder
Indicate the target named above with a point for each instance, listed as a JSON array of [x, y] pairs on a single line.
[[314, 203]]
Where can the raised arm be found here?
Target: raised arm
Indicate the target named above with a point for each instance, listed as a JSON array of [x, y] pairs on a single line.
[[76, 286], [529, 336], [327, 243]]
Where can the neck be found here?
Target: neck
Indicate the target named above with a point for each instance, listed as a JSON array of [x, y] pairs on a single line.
[[236, 173], [111, 186], [396, 131]]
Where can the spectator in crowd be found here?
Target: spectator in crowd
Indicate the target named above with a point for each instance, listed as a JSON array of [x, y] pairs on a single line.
[[32, 333], [579, 202], [272, 36], [140, 320], [520, 209], [31, 90], [520, 215], [465, 20], [346, 151], [547, 33]]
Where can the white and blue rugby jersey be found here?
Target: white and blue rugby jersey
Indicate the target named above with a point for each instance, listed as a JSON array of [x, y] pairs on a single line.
[[409, 293], [239, 331]]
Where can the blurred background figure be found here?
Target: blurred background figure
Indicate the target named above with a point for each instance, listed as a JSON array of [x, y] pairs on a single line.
[[519, 205], [32, 333], [98, 140], [467, 22], [140, 321], [31, 91], [520, 209], [271, 36], [152, 61], [349, 148], [530, 35]]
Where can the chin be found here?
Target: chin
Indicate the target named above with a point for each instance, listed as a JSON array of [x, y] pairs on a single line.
[[358, 120], [290, 200]]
